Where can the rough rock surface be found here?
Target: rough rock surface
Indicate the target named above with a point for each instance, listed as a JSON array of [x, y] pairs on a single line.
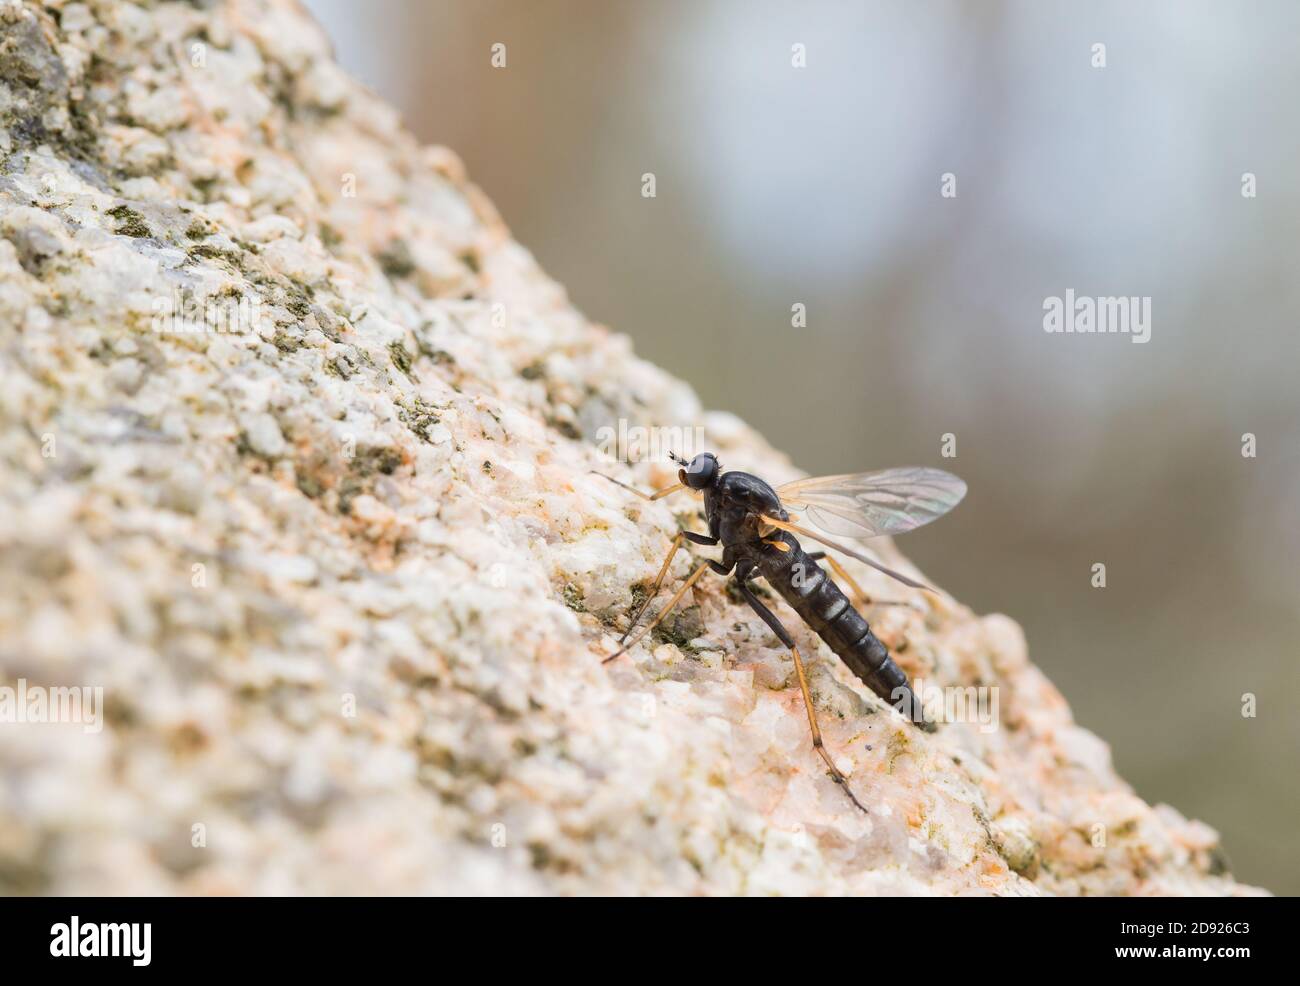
[[342, 570]]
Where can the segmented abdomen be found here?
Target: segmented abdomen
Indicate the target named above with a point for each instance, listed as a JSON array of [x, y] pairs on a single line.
[[819, 602]]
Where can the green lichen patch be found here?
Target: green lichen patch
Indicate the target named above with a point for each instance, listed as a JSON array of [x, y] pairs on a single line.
[[376, 459], [330, 237], [129, 222], [574, 597], [286, 343], [680, 629], [898, 745], [419, 416], [395, 260], [566, 428], [401, 358], [309, 485], [640, 592], [206, 251]]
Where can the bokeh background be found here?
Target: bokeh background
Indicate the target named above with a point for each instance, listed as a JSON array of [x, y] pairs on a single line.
[[820, 185]]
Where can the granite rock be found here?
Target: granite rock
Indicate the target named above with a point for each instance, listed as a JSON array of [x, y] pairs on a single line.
[[296, 452]]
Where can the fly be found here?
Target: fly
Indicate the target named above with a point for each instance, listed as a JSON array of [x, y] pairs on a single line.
[[749, 519]]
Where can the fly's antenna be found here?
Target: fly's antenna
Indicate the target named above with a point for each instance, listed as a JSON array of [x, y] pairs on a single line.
[[678, 459]]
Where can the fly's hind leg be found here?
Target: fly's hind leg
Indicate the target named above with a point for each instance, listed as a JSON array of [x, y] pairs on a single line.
[[783, 634], [860, 598]]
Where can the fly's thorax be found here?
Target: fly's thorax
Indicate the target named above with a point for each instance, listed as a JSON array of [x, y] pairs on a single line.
[[739, 502], [736, 525], [743, 489]]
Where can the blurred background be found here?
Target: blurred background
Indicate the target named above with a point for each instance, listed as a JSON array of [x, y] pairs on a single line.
[[821, 185]]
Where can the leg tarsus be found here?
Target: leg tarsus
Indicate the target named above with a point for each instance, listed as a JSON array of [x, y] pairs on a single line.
[[663, 571], [654, 591], [677, 597], [839, 778]]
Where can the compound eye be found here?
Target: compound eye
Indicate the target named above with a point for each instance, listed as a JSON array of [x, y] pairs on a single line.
[[701, 471]]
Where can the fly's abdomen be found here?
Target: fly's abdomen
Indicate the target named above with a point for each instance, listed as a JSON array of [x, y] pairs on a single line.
[[820, 603]]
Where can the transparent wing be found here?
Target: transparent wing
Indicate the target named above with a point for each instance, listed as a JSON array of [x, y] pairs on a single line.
[[868, 504]]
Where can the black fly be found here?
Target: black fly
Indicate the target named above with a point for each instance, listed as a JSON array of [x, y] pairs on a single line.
[[749, 519]]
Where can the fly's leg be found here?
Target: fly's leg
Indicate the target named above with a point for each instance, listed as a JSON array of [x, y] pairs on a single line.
[[783, 634], [677, 597], [654, 590], [663, 571], [657, 495], [860, 598]]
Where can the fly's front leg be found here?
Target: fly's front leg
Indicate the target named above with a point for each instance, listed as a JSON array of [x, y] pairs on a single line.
[[677, 597], [657, 495], [783, 635], [860, 598], [663, 571]]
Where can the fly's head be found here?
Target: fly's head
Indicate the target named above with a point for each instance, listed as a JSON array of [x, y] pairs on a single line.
[[700, 472]]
